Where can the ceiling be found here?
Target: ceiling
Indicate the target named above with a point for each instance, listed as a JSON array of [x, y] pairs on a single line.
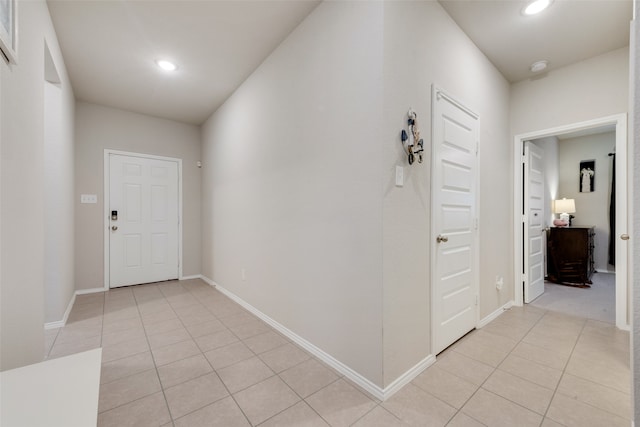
[[110, 46], [568, 31]]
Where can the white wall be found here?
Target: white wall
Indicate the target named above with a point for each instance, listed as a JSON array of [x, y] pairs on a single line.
[[59, 221], [98, 128], [298, 181], [590, 89], [292, 185], [594, 88], [22, 198], [591, 208], [424, 46]]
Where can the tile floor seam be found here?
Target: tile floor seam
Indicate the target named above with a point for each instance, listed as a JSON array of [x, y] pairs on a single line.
[[542, 322], [304, 399], [173, 419], [595, 383], [164, 395], [377, 405], [238, 405], [322, 388], [480, 386], [555, 391], [228, 391], [285, 409], [129, 402], [590, 405], [102, 320], [459, 410]]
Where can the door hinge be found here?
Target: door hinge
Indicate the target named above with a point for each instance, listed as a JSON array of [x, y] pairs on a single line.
[[477, 299], [477, 147], [475, 223]]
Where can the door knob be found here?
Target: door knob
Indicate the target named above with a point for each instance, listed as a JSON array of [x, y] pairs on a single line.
[[114, 227], [624, 236], [442, 239]]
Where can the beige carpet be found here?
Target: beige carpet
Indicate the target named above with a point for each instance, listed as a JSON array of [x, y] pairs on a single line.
[[597, 302]]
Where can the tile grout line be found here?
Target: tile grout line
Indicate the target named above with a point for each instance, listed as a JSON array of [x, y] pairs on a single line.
[[217, 375], [564, 368], [491, 374], [166, 402]]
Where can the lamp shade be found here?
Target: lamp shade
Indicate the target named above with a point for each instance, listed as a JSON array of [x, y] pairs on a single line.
[[564, 206]]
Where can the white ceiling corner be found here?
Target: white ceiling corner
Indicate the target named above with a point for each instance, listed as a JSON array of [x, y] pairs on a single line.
[[567, 32], [110, 48]]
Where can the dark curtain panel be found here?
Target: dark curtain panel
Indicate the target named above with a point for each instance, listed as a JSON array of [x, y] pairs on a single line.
[[612, 215]]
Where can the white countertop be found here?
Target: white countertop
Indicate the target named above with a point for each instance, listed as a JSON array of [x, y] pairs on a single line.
[[55, 393]]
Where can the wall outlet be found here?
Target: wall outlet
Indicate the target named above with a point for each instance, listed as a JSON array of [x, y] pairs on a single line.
[[499, 282], [243, 274]]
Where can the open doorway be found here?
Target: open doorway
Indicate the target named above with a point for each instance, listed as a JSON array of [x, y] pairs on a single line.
[[612, 134]]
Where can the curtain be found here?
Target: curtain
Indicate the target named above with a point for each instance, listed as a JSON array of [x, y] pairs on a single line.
[[612, 214]]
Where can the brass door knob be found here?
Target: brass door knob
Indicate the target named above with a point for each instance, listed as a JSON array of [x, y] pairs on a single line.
[[442, 239], [114, 227], [624, 236]]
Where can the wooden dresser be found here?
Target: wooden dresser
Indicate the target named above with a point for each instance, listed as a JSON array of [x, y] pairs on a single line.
[[570, 255]]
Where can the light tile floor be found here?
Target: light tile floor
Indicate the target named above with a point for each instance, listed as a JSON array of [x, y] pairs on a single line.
[[182, 354]]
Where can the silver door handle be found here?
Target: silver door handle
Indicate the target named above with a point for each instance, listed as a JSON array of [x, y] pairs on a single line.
[[114, 227], [624, 236], [442, 239]]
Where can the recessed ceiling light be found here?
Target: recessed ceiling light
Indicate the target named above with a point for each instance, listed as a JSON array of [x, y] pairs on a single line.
[[166, 65], [538, 66], [536, 6]]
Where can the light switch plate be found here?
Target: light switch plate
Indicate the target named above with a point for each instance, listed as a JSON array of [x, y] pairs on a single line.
[[399, 176], [88, 198]]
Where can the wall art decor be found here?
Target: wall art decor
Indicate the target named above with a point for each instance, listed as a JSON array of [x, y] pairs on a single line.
[[587, 176], [412, 143]]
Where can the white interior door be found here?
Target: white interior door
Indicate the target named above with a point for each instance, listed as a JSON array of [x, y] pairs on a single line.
[[454, 220], [533, 221], [143, 225]]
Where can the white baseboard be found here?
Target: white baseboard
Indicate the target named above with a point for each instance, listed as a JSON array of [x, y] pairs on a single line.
[[408, 376], [193, 276], [90, 291], [61, 323], [484, 322], [373, 389]]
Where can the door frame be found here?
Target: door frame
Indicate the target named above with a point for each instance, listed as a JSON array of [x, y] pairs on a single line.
[[107, 202], [622, 213], [436, 92]]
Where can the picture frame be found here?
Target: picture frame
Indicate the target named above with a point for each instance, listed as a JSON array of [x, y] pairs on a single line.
[[587, 181], [9, 30]]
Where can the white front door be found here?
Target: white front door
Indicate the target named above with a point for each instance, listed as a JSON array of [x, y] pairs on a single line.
[[533, 221], [143, 220], [454, 220]]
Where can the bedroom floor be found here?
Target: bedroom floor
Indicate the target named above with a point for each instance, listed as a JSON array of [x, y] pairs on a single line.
[[597, 302], [182, 354]]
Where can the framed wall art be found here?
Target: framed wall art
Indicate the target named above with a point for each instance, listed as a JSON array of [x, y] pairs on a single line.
[[8, 30], [587, 176]]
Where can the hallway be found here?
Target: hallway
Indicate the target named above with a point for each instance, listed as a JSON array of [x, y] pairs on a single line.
[[183, 354]]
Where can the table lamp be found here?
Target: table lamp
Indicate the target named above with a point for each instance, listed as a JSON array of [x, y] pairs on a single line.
[[564, 207]]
